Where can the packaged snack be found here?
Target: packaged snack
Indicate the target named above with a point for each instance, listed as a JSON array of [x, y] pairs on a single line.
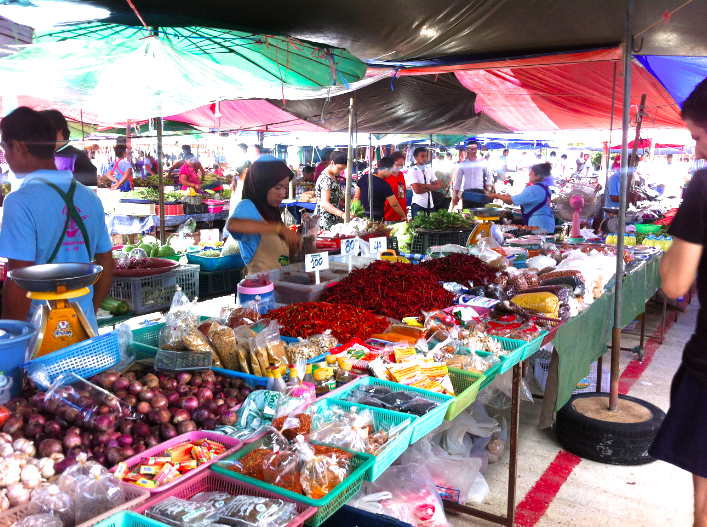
[[303, 349], [326, 341], [276, 349], [252, 511], [52, 500], [226, 345], [320, 473]]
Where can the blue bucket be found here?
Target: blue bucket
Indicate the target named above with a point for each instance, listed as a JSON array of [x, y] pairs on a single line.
[[14, 336]]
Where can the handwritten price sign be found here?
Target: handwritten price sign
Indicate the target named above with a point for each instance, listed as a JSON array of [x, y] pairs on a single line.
[[316, 262], [349, 246], [378, 245]]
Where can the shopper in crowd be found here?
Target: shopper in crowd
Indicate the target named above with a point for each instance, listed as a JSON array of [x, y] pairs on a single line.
[[423, 182], [188, 176], [51, 218], [397, 182], [534, 201], [473, 179], [382, 191], [150, 166], [173, 171], [680, 440], [68, 157], [328, 191], [327, 156], [265, 242], [502, 167], [587, 167], [120, 171]]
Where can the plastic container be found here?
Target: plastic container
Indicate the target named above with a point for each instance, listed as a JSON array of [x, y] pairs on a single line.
[[424, 239], [252, 380], [490, 374], [250, 289], [146, 294], [425, 424], [14, 337], [326, 506], [209, 481], [292, 284], [219, 282], [215, 264], [514, 349], [348, 516], [534, 345], [134, 497], [85, 359], [230, 443], [394, 448], [466, 387], [168, 360], [644, 228], [171, 210]]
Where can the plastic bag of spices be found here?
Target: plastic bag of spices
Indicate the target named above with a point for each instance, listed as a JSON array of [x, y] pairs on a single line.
[[320, 474]]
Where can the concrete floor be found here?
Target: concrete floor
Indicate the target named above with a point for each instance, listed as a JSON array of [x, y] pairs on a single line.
[[597, 495]]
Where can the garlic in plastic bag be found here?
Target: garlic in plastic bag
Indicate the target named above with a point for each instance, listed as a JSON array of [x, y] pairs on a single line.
[[53, 501]]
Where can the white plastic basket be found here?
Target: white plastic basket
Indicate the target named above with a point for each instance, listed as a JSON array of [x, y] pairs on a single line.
[[145, 294], [586, 385]]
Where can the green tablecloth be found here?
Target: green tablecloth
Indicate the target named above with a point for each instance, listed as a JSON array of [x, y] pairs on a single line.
[[583, 339]]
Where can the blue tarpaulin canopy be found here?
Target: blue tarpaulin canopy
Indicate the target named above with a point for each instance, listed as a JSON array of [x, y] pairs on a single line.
[[679, 75]]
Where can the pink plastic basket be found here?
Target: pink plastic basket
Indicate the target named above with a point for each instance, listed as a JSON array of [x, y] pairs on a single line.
[[211, 481], [230, 443], [134, 497]]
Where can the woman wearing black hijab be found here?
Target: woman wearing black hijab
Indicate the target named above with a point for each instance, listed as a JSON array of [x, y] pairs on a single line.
[[265, 242]]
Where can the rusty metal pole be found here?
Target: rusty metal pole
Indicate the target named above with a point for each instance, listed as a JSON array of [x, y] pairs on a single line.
[[349, 164], [626, 118]]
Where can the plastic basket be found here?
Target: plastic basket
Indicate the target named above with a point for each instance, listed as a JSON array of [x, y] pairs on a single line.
[[333, 501], [169, 360], [215, 264], [130, 519], [85, 358], [534, 345], [219, 282], [348, 516], [134, 497], [252, 380], [466, 387], [426, 423], [490, 374], [394, 449], [556, 324], [209, 481], [145, 294], [231, 444], [514, 352], [149, 334], [424, 239]]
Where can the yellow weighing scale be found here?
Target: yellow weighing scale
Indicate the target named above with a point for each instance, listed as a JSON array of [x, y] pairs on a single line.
[[62, 321], [486, 216]]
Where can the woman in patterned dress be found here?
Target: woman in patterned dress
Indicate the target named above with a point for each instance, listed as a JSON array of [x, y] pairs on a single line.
[[329, 194]]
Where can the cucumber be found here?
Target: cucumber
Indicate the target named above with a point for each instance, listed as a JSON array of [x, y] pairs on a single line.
[[115, 307]]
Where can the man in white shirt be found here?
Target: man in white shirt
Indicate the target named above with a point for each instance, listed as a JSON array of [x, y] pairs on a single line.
[[473, 175], [422, 181]]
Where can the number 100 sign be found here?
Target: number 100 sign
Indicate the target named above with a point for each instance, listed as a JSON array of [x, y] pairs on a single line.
[[316, 262]]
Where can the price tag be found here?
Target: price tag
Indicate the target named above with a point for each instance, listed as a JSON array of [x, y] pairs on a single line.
[[316, 262], [378, 245], [349, 246]]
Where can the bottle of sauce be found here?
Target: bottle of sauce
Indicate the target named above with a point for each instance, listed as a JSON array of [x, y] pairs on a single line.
[[331, 374], [294, 381], [308, 377], [278, 383], [270, 377], [321, 382], [343, 374]]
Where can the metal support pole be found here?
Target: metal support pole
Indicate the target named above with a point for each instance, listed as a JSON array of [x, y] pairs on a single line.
[[626, 117], [349, 164], [160, 178], [370, 175], [611, 125]]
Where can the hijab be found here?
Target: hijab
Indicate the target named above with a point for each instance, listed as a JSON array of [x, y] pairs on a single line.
[[265, 173]]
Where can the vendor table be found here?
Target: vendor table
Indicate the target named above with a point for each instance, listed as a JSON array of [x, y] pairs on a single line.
[[582, 339], [292, 206], [118, 224]]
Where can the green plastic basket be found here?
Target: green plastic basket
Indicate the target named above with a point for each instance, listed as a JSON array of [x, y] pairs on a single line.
[[329, 504], [381, 416], [514, 352], [129, 519], [490, 374], [149, 335], [533, 346], [466, 385], [426, 423]]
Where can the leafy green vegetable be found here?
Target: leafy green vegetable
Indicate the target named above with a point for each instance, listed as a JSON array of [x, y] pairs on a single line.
[[440, 220], [357, 209]]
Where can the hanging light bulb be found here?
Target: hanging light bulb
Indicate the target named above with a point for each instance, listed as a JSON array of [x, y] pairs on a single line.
[[47, 13]]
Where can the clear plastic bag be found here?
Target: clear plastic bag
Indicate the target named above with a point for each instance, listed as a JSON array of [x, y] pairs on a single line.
[[252, 511], [70, 478], [320, 474], [303, 349], [52, 500], [281, 468], [178, 512], [39, 520], [125, 341], [226, 345], [326, 341], [277, 355], [97, 493]]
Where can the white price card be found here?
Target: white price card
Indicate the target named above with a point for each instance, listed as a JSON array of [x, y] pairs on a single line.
[[349, 246], [378, 245], [316, 262]]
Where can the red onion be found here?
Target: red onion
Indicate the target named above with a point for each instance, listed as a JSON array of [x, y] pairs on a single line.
[[130, 399], [33, 430], [112, 454], [135, 387], [211, 405], [196, 380], [71, 414], [143, 407], [189, 403], [101, 459], [82, 402], [217, 377], [98, 450], [14, 404], [231, 402], [74, 430], [245, 391], [218, 387], [180, 415], [104, 423], [146, 395], [74, 451], [112, 443], [221, 408], [125, 440], [230, 392], [204, 394], [172, 398], [122, 394], [86, 439], [127, 426], [237, 383], [38, 401], [139, 449], [167, 431], [161, 377], [49, 447], [111, 402], [101, 439], [182, 390], [169, 385], [159, 402], [199, 414], [163, 416], [64, 464], [227, 418], [208, 385], [51, 427], [130, 376], [114, 435], [152, 383], [104, 410], [121, 383], [152, 440], [109, 379], [186, 426], [208, 376], [208, 424], [184, 378], [141, 429], [71, 440]]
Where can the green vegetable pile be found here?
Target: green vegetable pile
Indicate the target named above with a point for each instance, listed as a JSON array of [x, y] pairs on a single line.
[[151, 246], [210, 253], [640, 237], [404, 232], [357, 209], [441, 221], [142, 193]]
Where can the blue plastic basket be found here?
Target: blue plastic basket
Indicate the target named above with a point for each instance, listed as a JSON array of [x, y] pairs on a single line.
[[215, 264], [252, 380], [426, 423], [129, 519], [394, 449], [85, 359]]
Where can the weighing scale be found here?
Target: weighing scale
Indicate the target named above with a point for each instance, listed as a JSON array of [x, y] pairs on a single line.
[[63, 322], [486, 216]]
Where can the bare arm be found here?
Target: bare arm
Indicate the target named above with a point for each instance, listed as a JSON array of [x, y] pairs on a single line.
[[326, 195], [357, 194], [505, 198], [392, 200], [421, 188], [261, 227], [102, 286], [125, 177], [678, 267], [15, 304]]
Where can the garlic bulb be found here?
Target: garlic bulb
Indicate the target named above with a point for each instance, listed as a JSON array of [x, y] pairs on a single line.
[[30, 476], [33, 461], [46, 467], [4, 501], [6, 449], [17, 457], [9, 473], [25, 446], [7, 437], [2, 440], [17, 494], [56, 457]]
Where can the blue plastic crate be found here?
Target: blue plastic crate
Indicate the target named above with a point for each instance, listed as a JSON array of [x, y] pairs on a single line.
[[215, 264], [85, 359]]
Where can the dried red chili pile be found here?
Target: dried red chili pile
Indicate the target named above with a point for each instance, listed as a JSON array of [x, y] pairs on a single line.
[[460, 268], [312, 318], [391, 289]]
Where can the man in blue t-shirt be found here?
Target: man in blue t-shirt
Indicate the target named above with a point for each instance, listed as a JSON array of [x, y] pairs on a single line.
[[34, 229]]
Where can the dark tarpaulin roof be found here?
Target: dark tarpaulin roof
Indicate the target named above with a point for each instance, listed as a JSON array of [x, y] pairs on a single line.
[[406, 30], [424, 104]]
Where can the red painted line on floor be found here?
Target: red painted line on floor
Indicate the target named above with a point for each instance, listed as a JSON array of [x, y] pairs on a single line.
[[536, 503]]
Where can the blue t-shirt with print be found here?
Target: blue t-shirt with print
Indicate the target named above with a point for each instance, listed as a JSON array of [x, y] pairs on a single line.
[[613, 188], [33, 221], [246, 210], [532, 196]]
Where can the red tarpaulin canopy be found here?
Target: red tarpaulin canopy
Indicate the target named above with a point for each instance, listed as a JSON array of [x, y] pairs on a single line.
[[642, 143], [245, 115], [566, 96]]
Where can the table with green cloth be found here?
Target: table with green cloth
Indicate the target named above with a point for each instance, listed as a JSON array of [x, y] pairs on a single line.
[[583, 339]]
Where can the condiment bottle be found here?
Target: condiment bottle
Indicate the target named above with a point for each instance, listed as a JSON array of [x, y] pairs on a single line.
[[270, 377], [308, 377], [343, 374], [331, 369], [278, 383], [294, 379], [321, 382]]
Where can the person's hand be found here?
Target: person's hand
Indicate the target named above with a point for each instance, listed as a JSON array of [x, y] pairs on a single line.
[[293, 239], [114, 186]]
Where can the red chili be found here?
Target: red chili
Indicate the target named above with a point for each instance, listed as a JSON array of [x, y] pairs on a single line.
[[461, 268]]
